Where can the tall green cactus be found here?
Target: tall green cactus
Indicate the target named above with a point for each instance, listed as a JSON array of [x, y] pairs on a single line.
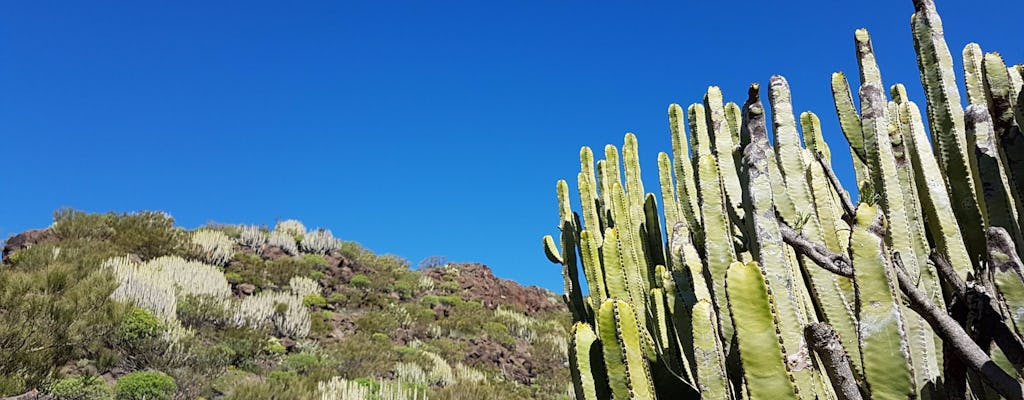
[[756, 241]]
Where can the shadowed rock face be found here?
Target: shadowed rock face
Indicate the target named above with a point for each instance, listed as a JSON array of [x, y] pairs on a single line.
[[27, 239]]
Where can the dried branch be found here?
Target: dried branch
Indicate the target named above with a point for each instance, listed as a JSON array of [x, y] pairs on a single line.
[[984, 307], [835, 263], [849, 211], [946, 327], [953, 334], [825, 342]]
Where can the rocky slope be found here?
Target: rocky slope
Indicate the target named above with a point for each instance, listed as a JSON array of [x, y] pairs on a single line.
[[334, 317]]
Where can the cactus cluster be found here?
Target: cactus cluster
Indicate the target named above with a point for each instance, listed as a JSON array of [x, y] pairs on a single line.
[[302, 286], [253, 237], [282, 312], [291, 227], [214, 247], [771, 284], [320, 241], [283, 241], [341, 389]]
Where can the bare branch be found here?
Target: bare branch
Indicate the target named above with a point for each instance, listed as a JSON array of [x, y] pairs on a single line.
[[953, 334], [835, 263], [945, 326], [849, 211], [825, 342]]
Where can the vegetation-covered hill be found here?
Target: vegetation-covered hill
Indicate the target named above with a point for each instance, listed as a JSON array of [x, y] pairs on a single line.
[[128, 306]]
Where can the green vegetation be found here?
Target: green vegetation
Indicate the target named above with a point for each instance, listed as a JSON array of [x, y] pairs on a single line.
[[145, 385], [80, 388], [132, 300], [772, 285]]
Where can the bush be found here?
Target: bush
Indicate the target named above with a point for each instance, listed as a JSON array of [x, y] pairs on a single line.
[[279, 385], [360, 281], [302, 363], [145, 385], [56, 309], [80, 388], [139, 324], [314, 300], [315, 260], [148, 234]]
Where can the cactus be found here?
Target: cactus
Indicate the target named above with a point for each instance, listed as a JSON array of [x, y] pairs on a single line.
[[214, 247], [718, 295], [291, 227], [757, 325], [320, 241], [283, 241], [882, 327]]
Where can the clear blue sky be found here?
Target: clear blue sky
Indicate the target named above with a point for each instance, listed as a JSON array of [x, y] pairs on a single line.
[[415, 128]]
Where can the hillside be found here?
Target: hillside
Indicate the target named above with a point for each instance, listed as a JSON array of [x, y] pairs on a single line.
[[129, 305]]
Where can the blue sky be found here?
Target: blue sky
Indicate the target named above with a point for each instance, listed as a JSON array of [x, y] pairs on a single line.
[[414, 128]]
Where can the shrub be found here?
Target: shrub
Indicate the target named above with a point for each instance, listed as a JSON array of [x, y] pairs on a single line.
[[233, 277], [314, 300], [360, 281], [54, 310], [147, 234], [315, 260], [279, 385], [282, 270], [302, 363], [80, 388], [274, 346], [139, 324], [450, 286], [72, 224], [145, 385]]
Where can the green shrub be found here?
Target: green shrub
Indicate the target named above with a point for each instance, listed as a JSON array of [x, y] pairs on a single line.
[[148, 234], [274, 346], [450, 286], [145, 385], [72, 224], [499, 333], [377, 322], [302, 363], [314, 260], [234, 278], [360, 281], [404, 288], [360, 355], [279, 385], [380, 338], [337, 298], [80, 388], [139, 324], [314, 300], [56, 308]]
